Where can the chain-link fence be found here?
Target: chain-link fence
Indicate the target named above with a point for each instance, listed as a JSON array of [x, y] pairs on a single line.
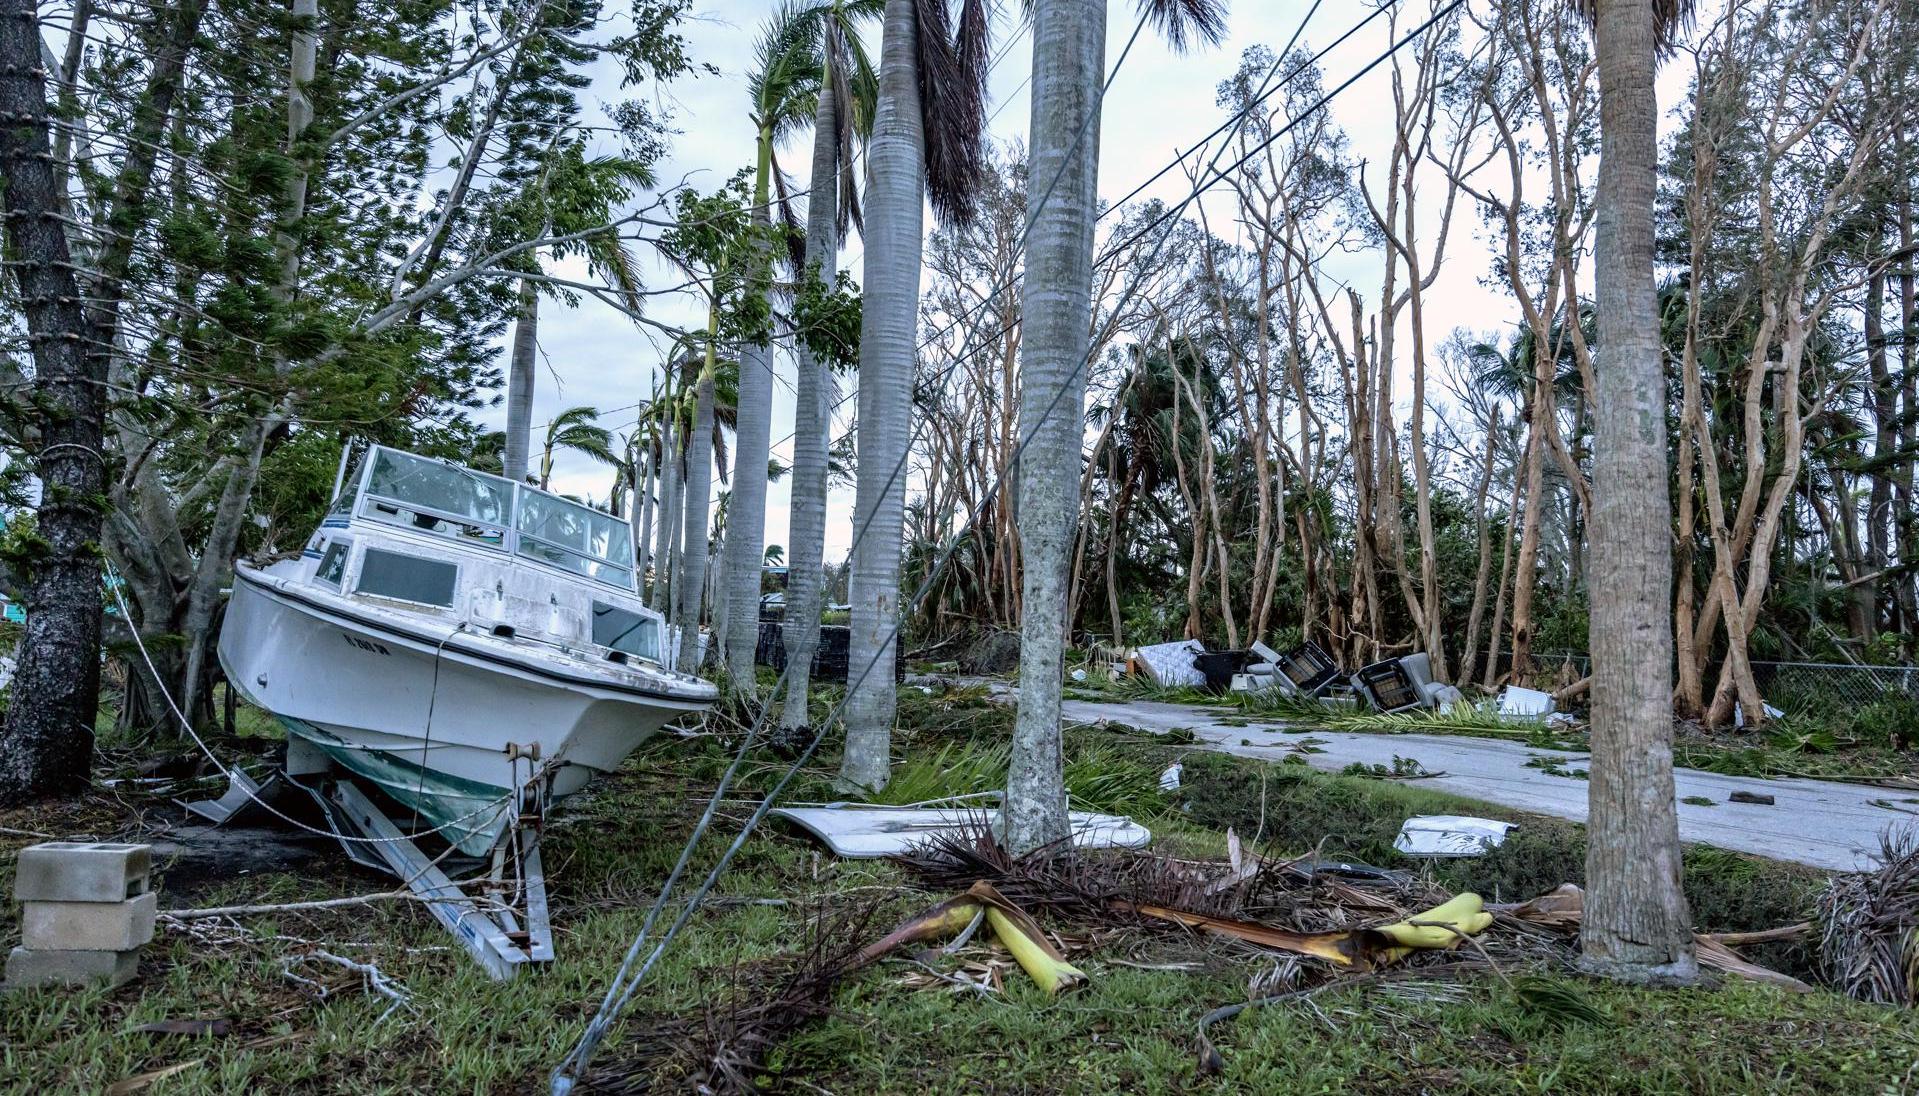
[[1794, 686], [1788, 686]]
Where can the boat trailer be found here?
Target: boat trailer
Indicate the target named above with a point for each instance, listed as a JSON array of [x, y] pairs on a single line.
[[505, 925]]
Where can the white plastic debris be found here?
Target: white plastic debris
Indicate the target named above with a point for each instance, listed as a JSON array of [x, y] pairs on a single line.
[[1171, 664], [1521, 703], [1444, 835], [1169, 780], [1079, 675], [864, 832], [1739, 714]]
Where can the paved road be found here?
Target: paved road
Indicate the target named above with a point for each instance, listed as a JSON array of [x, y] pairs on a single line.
[[1820, 823]]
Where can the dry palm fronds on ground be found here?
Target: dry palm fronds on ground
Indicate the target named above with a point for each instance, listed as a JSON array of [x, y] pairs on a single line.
[[1869, 926]]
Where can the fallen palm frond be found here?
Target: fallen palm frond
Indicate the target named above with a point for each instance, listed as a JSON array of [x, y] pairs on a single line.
[[1015, 929], [1869, 926], [1360, 949], [1564, 908]]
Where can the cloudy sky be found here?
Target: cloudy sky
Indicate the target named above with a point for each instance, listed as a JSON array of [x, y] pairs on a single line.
[[1159, 104]]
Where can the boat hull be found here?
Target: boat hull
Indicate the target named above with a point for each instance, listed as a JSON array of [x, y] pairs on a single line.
[[446, 722]]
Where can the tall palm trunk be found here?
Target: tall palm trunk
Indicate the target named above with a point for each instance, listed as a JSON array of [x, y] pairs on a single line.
[[895, 189], [519, 383], [1069, 48], [806, 525], [690, 584], [643, 541], [739, 604], [664, 540], [1637, 926]]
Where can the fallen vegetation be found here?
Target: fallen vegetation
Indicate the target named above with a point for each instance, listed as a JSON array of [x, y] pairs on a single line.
[[770, 988]]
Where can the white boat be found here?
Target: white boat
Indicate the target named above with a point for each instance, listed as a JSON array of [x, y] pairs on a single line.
[[446, 634]]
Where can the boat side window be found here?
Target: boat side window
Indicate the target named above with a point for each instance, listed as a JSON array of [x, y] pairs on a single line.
[[626, 631], [333, 563], [407, 578], [575, 538], [434, 497]]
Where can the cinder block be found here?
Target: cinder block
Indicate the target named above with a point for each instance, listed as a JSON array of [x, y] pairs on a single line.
[[30, 967], [82, 871], [89, 926]]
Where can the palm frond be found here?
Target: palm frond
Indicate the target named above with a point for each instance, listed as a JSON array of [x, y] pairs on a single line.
[[952, 60], [1670, 19], [1184, 23]]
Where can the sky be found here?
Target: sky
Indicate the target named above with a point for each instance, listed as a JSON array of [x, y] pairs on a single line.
[[1159, 104]]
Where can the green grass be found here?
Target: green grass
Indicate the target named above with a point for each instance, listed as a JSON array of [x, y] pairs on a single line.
[[1130, 1030]]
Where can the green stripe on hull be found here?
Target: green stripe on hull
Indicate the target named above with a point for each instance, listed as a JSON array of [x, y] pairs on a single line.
[[454, 806]]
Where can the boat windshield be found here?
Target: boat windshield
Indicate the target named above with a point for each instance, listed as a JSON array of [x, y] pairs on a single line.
[[575, 538], [435, 497]]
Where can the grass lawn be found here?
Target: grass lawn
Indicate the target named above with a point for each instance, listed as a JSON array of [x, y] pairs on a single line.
[[895, 1027]]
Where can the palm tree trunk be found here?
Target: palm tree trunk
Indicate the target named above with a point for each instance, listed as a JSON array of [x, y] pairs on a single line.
[[663, 539], [1069, 49], [1637, 926], [806, 525], [643, 542], [746, 518], [691, 584], [519, 383], [895, 193]]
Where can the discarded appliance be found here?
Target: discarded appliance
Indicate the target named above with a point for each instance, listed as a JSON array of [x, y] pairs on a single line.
[[1261, 675], [1450, 835], [1219, 668], [462, 647], [1308, 672], [1518, 703], [1398, 684], [1170, 665], [859, 832]]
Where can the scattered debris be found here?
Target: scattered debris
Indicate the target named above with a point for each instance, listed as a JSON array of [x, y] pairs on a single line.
[[1699, 801], [1517, 703], [1564, 907], [1869, 926], [1013, 927], [858, 832], [1750, 797], [1169, 780], [1170, 665], [1402, 768], [1450, 835]]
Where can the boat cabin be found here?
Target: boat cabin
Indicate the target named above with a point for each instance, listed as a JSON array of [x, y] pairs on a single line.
[[433, 538]]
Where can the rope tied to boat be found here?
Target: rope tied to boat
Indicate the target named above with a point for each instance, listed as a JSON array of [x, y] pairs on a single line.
[[160, 684]]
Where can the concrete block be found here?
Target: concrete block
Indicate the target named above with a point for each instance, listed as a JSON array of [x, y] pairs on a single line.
[[82, 871], [89, 926], [30, 967]]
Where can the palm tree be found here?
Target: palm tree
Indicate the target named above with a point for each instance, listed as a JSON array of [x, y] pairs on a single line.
[[843, 111], [1637, 926], [1062, 202], [573, 193], [577, 429], [928, 141], [785, 90]]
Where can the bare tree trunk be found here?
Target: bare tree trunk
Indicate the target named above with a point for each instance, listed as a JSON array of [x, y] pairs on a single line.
[[1637, 926], [46, 743], [1483, 523]]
